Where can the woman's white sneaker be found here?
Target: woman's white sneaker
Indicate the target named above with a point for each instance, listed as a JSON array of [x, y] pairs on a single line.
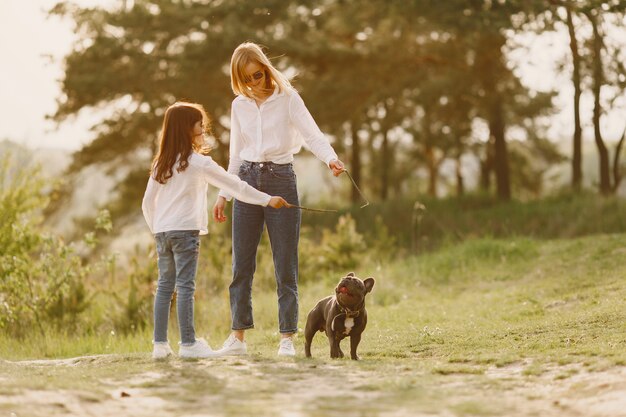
[[161, 350], [233, 346], [200, 349], [286, 348]]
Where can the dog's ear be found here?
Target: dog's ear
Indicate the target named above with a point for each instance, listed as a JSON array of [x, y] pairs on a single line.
[[369, 284], [350, 274]]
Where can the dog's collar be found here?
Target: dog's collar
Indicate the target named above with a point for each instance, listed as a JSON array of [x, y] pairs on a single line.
[[351, 313]]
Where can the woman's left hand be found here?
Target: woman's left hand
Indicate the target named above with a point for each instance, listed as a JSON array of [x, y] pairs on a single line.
[[336, 166]]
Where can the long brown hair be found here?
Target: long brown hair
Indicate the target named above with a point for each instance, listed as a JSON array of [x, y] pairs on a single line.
[[176, 139]]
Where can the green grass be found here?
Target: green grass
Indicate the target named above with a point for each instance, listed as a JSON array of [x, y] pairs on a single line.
[[438, 325], [482, 301]]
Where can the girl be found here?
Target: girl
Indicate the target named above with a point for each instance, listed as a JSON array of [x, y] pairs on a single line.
[[268, 122], [175, 208]]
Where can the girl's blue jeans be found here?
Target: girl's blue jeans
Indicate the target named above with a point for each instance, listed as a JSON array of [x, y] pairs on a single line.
[[177, 260], [283, 227]]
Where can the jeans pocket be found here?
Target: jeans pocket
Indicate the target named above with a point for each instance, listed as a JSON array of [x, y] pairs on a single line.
[[244, 169], [160, 244], [185, 241], [283, 172]]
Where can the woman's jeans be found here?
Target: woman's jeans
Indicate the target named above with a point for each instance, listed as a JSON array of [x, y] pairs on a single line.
[[283, 227], [177, 260]]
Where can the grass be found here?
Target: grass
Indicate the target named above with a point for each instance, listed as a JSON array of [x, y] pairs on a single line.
[[486, 299], [440, 325]]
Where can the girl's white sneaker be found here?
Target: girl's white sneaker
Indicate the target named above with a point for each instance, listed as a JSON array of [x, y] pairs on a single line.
[[161, 350]]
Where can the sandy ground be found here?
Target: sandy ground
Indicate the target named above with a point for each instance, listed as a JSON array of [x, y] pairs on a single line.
[[112, 385]]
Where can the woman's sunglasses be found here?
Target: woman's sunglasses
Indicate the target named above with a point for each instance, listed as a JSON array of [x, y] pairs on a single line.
[[256, 76]]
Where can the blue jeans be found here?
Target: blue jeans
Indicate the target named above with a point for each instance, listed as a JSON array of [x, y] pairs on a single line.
[[283, 227], [177, 260]]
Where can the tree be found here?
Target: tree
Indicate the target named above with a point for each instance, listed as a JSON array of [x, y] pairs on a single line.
[[577, 174]]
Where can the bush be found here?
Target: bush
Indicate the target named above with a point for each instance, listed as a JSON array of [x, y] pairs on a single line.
[[343, 249], [42, 279]]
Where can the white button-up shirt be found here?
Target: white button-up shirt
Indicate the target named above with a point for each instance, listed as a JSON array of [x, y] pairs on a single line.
[[181, 203], [273, 132]]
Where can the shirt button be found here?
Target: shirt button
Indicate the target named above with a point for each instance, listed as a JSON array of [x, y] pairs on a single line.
[[261, 165]]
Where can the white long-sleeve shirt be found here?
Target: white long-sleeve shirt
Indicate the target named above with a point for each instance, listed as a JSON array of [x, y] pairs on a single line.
[[181, 203], [273, 132]]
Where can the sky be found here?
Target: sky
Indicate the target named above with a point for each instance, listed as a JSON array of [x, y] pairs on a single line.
[[32, 47]]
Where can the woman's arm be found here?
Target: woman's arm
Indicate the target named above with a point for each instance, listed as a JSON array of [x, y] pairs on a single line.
[[305, 124]]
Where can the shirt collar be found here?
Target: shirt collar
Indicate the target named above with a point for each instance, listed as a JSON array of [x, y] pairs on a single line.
[[274, 96]]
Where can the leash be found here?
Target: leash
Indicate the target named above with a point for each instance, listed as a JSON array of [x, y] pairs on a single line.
[[312, 209], [367, 202]]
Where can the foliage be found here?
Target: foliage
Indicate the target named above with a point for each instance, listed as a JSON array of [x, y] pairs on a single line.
[[42, 279], [563, 215], [399, 84], [133, 302]]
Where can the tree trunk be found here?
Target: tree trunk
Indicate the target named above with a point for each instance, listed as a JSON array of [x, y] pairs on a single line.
[[501, 156], [355, 168], [432, 166], [598, 79], [577, 173], [385, 165], [429, 155], [617, 175], [486, 167], [460, 183]]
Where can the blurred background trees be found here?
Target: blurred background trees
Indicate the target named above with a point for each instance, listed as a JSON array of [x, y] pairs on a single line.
[[403, 87], [421, 98]]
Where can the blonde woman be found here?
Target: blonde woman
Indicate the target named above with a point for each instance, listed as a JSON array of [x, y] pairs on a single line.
[[268, 123]]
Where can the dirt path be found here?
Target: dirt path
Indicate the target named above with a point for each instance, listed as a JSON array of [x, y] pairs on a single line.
[[115, 385]]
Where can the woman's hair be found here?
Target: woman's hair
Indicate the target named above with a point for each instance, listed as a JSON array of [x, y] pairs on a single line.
[[249, 52], [176, 141]]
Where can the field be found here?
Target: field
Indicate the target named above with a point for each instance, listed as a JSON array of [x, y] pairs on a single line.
[[511, 327]]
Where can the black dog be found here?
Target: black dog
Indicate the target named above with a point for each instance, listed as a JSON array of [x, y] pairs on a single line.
[[340, 315]]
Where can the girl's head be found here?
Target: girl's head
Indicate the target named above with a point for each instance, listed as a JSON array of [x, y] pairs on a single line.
[[182, 133], [252, 74]]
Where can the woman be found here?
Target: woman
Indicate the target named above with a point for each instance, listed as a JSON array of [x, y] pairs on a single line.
[[268, 122]]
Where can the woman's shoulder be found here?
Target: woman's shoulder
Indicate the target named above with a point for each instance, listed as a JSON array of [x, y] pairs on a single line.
[[293, 96], [291, 91], [239, 99]]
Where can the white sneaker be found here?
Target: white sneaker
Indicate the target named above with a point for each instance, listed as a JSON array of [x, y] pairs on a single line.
[[286, 348], [233, 346], [200, 349], [161, 350]]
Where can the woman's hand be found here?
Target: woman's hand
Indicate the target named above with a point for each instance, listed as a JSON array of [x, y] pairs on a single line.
[[278, 202], [336, 166], [218, 210]]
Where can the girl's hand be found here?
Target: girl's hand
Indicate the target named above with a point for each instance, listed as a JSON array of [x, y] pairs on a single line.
[[278, 202], [218, 210], [336, 166]]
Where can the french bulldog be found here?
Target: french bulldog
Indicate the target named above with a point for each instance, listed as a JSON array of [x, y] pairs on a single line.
[[340, 315]]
